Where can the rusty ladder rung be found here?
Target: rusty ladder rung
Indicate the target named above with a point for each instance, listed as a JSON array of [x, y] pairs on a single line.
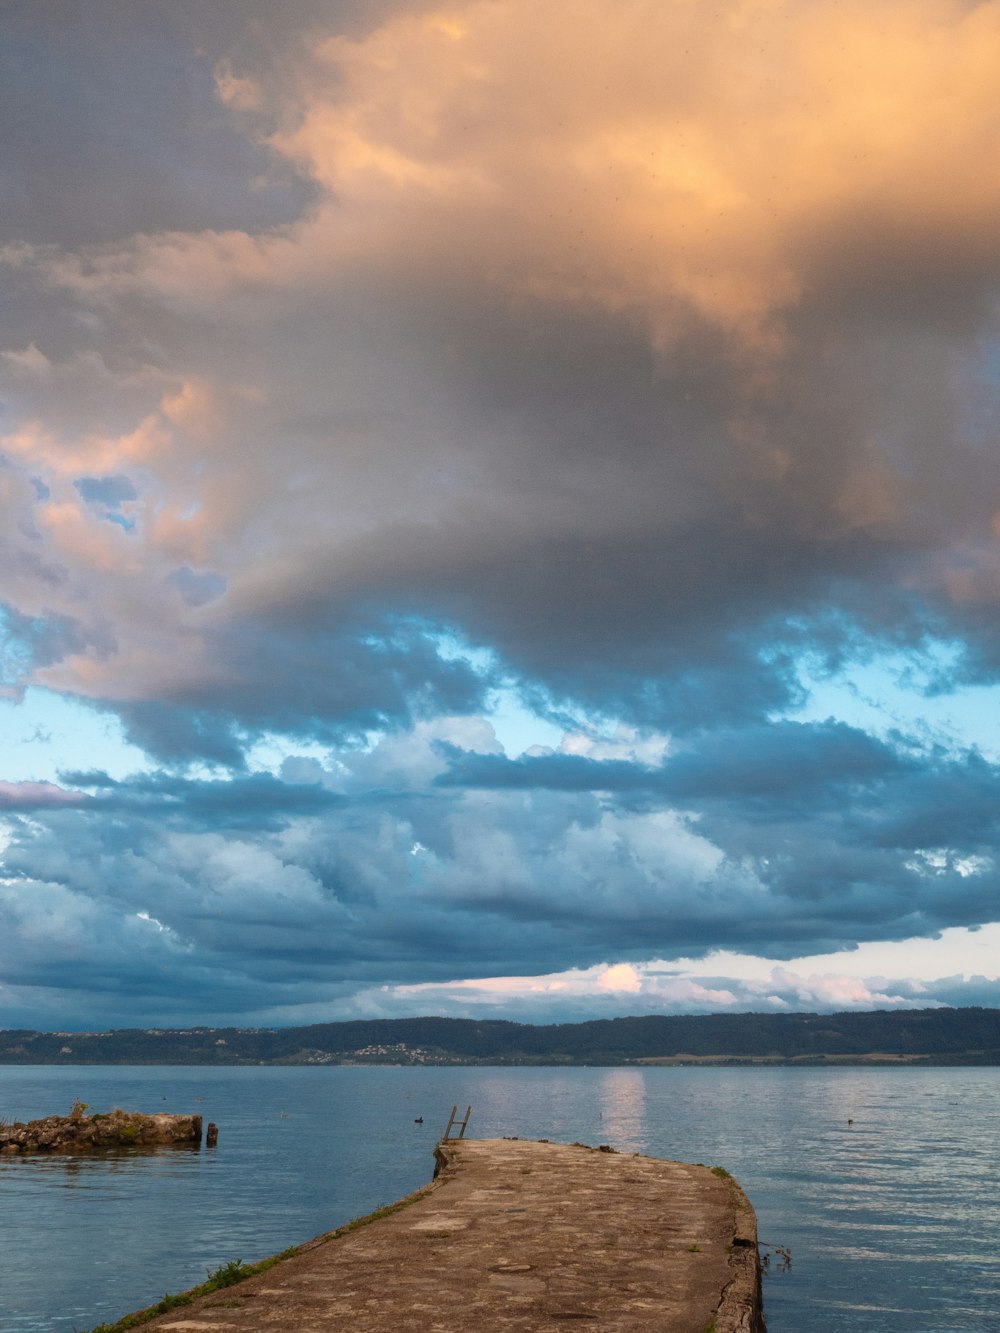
[[455, 1120]]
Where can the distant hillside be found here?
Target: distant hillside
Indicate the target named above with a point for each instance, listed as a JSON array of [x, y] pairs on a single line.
[[933, 1036]]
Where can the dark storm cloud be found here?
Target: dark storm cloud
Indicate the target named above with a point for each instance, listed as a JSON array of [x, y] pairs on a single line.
[[335, 882], [258, 801], [770, 764], [648, 524], [555, 772], [338, 681], [113, 126], [845, 833]]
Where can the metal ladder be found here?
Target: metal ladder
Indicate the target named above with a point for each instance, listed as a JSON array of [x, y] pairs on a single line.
[[454, 1121]]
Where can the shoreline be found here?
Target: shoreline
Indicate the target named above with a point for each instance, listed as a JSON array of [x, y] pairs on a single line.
[[880, 1060]]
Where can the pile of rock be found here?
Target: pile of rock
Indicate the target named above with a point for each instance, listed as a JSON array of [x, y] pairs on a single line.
[[79, 1132]]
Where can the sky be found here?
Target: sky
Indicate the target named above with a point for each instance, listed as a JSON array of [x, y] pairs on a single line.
[[499, 509]]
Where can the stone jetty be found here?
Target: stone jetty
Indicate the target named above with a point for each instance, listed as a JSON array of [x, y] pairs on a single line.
[[79, 1132], [514, 1236]]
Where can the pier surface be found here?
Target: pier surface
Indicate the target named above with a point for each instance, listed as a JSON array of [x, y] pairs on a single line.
[[515, 1236]]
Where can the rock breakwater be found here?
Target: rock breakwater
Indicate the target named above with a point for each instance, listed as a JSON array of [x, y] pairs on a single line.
[[79, 1132]]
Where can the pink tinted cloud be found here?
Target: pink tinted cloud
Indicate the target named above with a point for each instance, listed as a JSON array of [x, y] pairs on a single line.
[[37, 795]]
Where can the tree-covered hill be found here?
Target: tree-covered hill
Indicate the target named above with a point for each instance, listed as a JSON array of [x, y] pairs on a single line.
[[938, 1036]]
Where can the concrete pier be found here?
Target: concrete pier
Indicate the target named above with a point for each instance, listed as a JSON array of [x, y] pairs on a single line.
[[514, 1236]]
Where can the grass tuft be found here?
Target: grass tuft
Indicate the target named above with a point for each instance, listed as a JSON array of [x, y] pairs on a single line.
[[228, 1275]]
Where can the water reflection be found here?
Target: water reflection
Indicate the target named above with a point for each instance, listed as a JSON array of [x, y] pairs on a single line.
[[92, 1170], [621, 1097]]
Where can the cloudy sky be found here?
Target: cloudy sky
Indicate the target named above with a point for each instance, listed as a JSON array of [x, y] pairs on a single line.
[[499, 508]]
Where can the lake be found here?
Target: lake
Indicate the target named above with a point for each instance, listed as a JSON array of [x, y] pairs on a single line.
[[892, 1221]]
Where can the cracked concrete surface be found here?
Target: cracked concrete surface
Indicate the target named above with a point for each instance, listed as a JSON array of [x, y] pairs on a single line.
[[515, 1236]]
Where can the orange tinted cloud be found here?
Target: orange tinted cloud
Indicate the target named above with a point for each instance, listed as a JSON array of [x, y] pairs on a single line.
[[792, 188], [666, 158]]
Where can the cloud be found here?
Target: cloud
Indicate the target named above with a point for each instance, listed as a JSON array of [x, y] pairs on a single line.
[[36, 796], [338, 878], [578, 995], [164, 129], [621, 359], [720, 983], [621, 977], [664, 430]]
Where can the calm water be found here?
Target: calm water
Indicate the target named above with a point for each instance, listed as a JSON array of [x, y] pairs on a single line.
[[893, 1222]]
